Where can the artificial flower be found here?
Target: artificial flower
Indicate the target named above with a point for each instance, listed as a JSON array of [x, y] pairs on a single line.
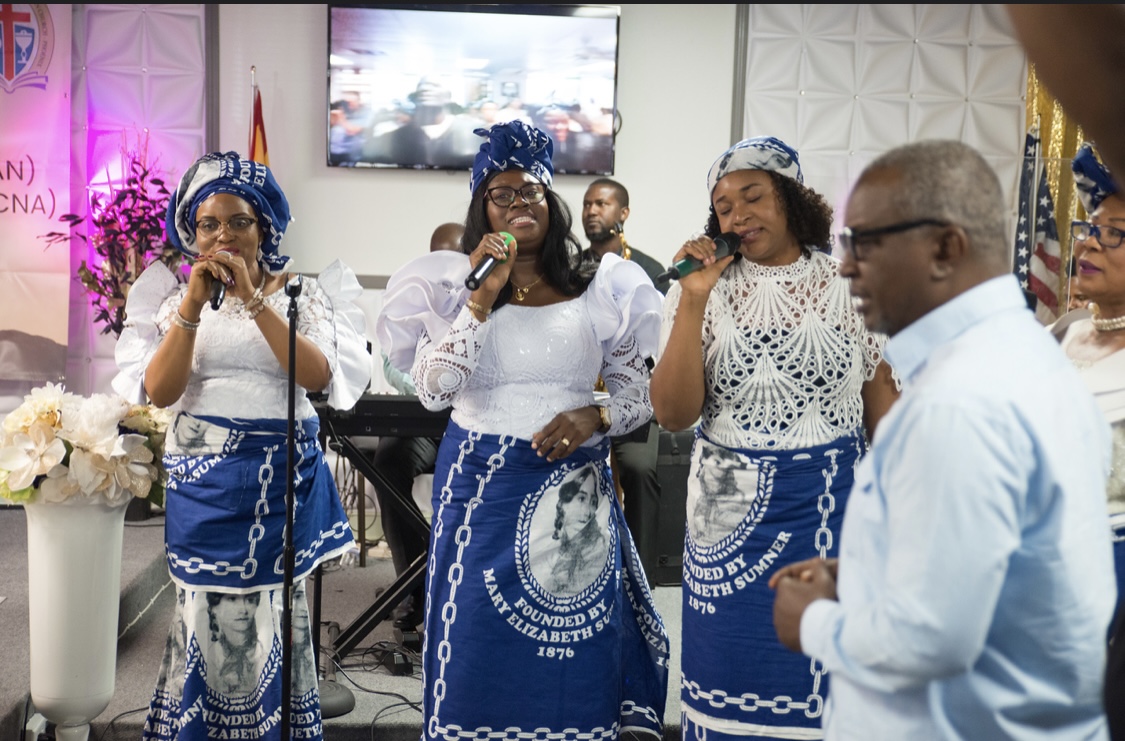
[[60, 447]]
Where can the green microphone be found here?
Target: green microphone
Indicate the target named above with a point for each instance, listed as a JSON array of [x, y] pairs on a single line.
[[482, 271], [726, 244]]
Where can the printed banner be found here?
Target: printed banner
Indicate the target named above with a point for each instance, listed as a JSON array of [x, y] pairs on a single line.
[[34, 190]]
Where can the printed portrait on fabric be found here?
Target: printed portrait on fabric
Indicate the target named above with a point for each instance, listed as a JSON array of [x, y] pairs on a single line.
[[304, 660], [173, 670], [569, 543], [720, 493], [236, 646], [194, 436]]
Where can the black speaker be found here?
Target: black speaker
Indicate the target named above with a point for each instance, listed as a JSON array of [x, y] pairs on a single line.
[[672, 465]]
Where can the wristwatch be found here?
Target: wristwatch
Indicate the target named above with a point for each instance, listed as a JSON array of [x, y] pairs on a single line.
[[603, 414]]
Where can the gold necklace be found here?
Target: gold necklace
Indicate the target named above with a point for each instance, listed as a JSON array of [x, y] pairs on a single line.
[[521, 292]]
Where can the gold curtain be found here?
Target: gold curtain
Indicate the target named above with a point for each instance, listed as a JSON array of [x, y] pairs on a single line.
[[1059, 138]]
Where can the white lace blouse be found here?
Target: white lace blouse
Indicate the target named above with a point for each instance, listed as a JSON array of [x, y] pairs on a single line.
[[234, 373], [513, 373], [1106, 380], [785, 355]]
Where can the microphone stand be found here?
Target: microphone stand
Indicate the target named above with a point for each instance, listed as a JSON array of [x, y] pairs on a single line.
[[292, 290], [335, 698]]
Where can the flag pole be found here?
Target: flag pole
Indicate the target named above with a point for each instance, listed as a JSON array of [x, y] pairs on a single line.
[[1033, 193]]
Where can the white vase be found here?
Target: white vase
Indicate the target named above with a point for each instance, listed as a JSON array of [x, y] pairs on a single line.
[[74, 590]]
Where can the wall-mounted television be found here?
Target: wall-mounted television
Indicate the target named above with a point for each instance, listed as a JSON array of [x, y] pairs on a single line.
[[409, 84]]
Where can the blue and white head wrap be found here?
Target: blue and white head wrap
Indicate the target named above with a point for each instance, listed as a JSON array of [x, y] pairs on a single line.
[[226, 172], [513, 146], [1092, 179], [757, 153]]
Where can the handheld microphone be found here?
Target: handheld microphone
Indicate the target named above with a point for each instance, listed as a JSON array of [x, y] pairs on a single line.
[[486, 266], [726, 244], [218, 293], [218, 288]]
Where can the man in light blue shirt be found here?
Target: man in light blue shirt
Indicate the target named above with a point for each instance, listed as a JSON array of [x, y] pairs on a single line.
[[975, 581]]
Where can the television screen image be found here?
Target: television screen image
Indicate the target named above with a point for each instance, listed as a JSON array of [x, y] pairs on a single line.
[[409, 84]]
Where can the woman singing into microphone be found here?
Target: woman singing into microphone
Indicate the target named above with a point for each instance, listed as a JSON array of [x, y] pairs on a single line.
[[517, 359], [787, 383], [224, 372]]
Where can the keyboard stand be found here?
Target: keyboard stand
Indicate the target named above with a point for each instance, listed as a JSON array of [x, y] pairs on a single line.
[[407, 582]]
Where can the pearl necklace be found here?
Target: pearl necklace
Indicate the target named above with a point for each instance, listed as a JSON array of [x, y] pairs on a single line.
[[1108, 325]]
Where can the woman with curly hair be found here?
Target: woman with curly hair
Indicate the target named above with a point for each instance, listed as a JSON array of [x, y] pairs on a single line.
[[763, 349]]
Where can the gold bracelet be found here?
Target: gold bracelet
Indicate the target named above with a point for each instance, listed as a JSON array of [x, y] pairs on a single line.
[[257, 310], [253, 303], [603, 415], [179, 321], [477, 307]]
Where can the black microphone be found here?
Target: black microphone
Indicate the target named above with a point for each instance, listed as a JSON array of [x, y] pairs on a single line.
[[218, 288], [726, 244], [218, 293], [486, 266]]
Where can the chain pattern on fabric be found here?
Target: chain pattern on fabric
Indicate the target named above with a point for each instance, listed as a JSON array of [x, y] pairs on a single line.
[[785, 355], [511, 734], [249, 567], [812, 706], [826, 505], [456, 572]]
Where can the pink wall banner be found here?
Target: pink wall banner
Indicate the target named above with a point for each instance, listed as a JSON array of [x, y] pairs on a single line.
[[35, 54]]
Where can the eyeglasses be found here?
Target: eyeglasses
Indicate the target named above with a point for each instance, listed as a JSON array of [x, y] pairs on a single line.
[[1107, 236], [503, 196], [235, 225], [858, 241]]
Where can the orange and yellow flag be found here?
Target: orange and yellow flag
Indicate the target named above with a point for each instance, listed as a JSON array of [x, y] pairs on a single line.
[[259, 152]]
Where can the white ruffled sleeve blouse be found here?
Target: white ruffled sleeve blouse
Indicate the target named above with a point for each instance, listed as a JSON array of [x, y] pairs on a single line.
[[234, 373], [514, 372]]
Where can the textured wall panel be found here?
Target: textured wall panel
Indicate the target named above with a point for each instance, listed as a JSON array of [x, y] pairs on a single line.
[[844, 83], [137, 70]]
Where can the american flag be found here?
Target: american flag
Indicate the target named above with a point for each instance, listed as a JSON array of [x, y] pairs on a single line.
[[1037, 257]]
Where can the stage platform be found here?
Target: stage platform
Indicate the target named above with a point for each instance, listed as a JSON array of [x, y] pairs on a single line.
[[386, 705]]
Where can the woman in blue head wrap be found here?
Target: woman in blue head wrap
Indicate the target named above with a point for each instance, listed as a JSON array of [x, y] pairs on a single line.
[[220, 365], [517, 358], [762, 347], [1094, 339]]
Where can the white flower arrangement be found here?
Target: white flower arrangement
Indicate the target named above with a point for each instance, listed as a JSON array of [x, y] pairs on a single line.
[[60, 447]]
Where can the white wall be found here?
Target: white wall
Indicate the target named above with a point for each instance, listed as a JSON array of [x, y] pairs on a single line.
[[675, 77]]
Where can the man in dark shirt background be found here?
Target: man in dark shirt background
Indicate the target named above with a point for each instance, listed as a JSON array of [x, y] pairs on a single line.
[[605, 207]]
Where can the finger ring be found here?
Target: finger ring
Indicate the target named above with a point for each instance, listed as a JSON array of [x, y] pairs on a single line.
[[565, 442]]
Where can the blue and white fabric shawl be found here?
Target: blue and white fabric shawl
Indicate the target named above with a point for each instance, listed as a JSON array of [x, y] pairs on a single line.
[[749, 513], [226, 505], [509, 602]]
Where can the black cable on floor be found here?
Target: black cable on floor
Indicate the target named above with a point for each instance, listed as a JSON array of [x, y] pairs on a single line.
[[26, 718], [114, 719]]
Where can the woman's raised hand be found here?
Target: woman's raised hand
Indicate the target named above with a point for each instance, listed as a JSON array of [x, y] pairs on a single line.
[[701, 248], [501, 247], [231, 268]]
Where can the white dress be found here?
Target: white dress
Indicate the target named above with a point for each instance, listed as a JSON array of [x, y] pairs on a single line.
[[586, 655]]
